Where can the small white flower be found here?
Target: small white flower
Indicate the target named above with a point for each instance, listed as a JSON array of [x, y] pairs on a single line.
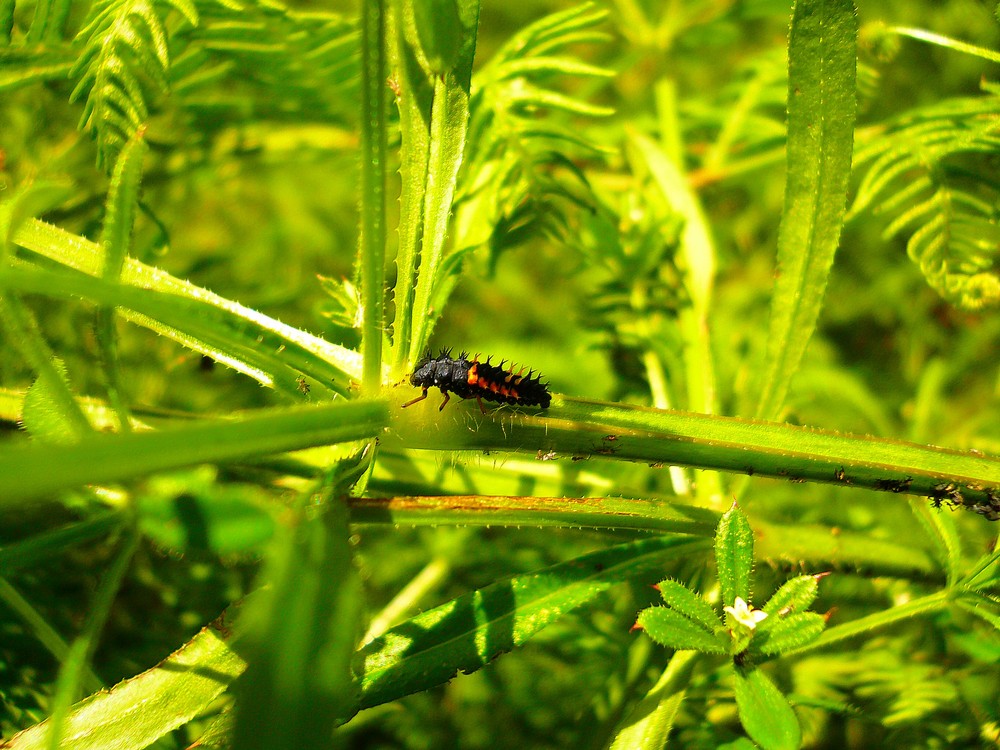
[[744, 614]]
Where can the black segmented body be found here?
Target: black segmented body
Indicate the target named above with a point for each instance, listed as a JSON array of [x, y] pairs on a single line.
[[470, 378]]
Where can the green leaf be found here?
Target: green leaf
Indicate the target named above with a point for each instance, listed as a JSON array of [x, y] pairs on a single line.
[[45, 415], [947, 42], [34, 472], [985, 573], [22, 67], [125, 63], [470, 631], [248, 334], [734, 555], [822, 61], [74, 668], [940, 527], [681, 599], [221, 329], [674, 630], [301, 635], [372, 250], [764, 711], [137, 712], [795, 595], [649, 723], [947, 210], [116, 236], [29, 552], [192, 513], [434, 115], [787, 633], [439, 29]]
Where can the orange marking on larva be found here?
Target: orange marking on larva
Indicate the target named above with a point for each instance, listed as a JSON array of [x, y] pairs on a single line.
[[473, 378], [495, 387]]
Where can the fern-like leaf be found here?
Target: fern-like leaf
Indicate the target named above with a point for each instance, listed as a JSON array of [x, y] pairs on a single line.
[[124, 64], [934, 173], [266, 61], [519, 176]]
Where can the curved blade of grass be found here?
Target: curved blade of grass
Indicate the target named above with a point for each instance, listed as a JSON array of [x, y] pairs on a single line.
[[472, 630], [137, 712], [32, 472], [947, 42], [191, 321], [248, 330], [925, 605], [576, 428], [24, 66], [822, 66]]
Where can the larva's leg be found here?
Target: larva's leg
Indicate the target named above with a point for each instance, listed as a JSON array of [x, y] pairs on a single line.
[[418, 398]]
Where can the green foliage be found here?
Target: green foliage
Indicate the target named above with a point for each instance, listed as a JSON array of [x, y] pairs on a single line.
[[688, 622], [124, 64], [931, 172], [620, 196]]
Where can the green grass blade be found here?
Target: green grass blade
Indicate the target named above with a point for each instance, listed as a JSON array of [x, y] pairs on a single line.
[[822, 62], [608, 513], [957, 45], [448, 119], [191, 321], [41, 547], [323, 362], [74, 668], [470, 631], [648, 725], [301, 636], [34, 472], [116, 236], [373, 153], [40, 628], [137, 712]]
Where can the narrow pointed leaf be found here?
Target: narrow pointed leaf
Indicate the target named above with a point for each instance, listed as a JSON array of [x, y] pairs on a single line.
[[822, 62], [786, 633], [470, 631], [734, 555], [681, 599], [674, 630], [764, 711], [795, 595]]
